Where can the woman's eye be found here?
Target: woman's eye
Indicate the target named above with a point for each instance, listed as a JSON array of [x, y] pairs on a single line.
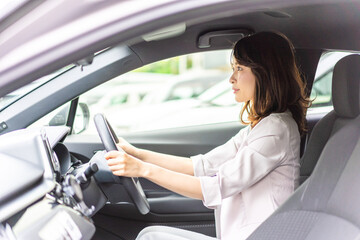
[[237, 68]]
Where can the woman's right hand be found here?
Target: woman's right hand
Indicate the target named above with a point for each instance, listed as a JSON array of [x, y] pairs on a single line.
[[127, 147]]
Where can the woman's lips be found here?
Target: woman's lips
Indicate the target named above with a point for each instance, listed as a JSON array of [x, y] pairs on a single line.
[[235, 90]]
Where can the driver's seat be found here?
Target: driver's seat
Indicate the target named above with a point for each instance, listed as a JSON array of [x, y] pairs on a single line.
[[327, 205]]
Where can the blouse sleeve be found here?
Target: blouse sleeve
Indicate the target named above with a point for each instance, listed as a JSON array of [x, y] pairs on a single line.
[[262, 154], [209, 163]]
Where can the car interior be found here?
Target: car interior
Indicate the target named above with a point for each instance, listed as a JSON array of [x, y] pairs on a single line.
[[323, 207]]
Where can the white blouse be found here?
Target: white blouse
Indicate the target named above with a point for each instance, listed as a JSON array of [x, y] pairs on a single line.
[[251, 175]]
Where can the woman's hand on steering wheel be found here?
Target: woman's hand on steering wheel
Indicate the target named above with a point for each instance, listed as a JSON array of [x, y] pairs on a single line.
[[127, 147], [123, 164]]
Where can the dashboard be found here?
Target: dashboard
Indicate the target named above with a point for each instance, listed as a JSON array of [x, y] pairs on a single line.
[[42, 187]]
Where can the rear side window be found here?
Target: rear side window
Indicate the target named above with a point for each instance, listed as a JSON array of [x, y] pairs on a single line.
[[321, 89]]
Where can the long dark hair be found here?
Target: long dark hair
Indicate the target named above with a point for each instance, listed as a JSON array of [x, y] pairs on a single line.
[[279, 86]]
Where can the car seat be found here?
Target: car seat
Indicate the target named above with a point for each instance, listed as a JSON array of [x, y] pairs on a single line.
[[327, 204]]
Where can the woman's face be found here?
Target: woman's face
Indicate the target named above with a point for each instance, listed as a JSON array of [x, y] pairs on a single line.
[[243, 82]]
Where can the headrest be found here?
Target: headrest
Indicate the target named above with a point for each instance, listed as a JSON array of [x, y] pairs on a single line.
[[346, 86]]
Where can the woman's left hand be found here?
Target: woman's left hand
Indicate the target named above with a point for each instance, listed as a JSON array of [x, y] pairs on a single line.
[[123, 164]]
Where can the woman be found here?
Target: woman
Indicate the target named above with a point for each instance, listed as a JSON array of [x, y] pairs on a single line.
[[252, 174]]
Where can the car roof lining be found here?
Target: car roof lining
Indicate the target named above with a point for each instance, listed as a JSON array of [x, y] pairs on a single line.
[[310, 35]]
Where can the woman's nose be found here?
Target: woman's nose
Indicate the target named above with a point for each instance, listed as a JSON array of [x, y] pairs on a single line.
[[232, 79]]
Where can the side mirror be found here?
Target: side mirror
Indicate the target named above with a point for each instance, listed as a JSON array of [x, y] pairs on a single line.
[[81, 121], [82, 118], [61, 117]]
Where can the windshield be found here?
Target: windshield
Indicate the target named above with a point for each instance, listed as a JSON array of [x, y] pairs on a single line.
[[12, 97]]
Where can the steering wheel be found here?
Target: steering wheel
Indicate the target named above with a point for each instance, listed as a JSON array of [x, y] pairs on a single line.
[[131, 184]]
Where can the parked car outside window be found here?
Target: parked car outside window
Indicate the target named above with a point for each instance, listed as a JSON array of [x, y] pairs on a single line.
[[153, 101]]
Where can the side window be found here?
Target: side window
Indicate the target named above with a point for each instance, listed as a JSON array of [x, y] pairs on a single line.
[[182, 91], [321, 89]]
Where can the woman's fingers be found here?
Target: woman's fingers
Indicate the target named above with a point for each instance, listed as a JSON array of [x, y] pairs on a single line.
[[115, 161], [119, 173], [112, 154], [122, 143], [127, 147], [122, 164], [116, 168]]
